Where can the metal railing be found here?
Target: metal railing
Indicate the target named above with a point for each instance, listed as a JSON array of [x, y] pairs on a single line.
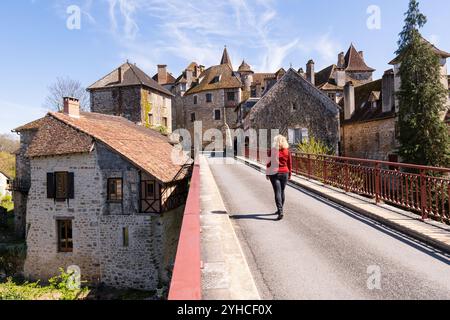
[[186, 278], [19, 185], [420, 189]]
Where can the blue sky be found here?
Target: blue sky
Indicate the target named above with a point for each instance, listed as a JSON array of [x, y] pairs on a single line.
[[37, 47]]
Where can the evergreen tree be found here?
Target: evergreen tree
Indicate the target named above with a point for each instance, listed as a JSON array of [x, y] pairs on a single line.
[[422, 97]]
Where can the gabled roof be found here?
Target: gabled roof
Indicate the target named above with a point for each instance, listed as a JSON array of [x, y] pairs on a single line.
[[144, 148], [291, 80], [439, 52], [226, 58], [128, 75], [355, 62], [226, 79], [34, 125], [325, 75]]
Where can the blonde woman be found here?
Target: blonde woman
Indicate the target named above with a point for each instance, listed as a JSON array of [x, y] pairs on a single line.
[[279, 171]]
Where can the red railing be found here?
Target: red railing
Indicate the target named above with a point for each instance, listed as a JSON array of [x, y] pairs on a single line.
[[420, 189], [186, 278]]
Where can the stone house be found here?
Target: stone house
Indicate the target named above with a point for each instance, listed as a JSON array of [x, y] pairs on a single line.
[[299, 110], [129, 92], [113, 209], [213, 98], [369, 117]]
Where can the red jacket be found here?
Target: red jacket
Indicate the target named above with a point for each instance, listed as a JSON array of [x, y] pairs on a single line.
[[282, 162]]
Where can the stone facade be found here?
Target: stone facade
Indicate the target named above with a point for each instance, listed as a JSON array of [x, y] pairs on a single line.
[[294, 103], [98, 244], [137, 104], [374, 140]]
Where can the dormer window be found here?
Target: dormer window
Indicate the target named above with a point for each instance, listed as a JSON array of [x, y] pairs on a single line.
[[216, 79]]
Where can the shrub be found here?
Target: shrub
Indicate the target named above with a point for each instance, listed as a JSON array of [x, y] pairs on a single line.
[[314, 146]]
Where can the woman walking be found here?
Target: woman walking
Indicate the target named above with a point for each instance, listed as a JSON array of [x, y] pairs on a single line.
[[279, 171]]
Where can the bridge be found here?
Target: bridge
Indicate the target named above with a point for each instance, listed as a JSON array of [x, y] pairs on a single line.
[[339, 240]]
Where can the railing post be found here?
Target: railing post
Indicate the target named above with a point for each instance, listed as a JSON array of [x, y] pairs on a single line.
[[423, 194], [377, 182], [325, 175], [347, 181], [309, 167]]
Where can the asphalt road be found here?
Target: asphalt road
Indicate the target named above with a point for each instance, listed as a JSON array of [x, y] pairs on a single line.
[[322, 251]]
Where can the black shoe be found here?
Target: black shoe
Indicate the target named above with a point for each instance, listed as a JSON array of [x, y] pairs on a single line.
[[280, 216]]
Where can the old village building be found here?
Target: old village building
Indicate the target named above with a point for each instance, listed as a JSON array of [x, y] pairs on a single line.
[[102, 193], [298, 109], [129, 92], [369, 118]]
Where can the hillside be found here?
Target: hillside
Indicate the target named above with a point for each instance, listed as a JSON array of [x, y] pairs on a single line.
[[8, 145]]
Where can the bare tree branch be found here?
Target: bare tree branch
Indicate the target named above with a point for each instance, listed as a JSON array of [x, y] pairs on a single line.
[[66, 87]]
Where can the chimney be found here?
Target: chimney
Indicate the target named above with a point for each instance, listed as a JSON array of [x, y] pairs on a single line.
[[341, 60], [162, 74], [387, 89], [72, 107], [340, 78], [361, 54], [119, 75], [302, 72], [349, 100], [189, 76], [310, 74]]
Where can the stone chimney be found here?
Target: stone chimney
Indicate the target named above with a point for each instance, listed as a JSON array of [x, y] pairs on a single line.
[[387, 89], [310, 74], [162, 74], [341, 60], [349, 100], [72, 107]]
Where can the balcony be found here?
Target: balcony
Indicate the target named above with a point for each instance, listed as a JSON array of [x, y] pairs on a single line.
[[19, 185]]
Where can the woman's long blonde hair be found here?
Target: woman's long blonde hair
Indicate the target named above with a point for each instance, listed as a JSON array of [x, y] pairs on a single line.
[[280, 142]]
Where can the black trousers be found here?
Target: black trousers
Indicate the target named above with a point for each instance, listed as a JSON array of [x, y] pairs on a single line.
[[279, 182]]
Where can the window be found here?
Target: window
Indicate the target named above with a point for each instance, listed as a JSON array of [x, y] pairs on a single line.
[[293, 107], [149, 190], [164, 120], [253, 93], [115, 190], [216, 79], [209, 97], [217, 115], [231, 96], [65, 241], [297, 136], [125, 237], [192, 117], [60, 186], [195, 99]]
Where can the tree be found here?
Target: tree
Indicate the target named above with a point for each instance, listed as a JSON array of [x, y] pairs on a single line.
[[66, 87], [8, 143], [422, 97]]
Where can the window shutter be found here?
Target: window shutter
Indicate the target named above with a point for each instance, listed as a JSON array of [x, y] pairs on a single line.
[[71, 185], [51, 192]]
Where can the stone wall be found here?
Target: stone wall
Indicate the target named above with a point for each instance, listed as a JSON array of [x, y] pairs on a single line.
[[125, 101], [97, 225], [23, 173], [160, 107], [369, 140]]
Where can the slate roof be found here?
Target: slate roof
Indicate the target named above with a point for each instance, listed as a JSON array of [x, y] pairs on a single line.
[[439, 52], [226, 59], [355, 62], [259, 78], [245, 67], [147, 149], [364, 111], [227, 80], [34, 125], [131, 76]]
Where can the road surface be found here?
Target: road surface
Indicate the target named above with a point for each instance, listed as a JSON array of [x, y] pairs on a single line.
[[323, 251]]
